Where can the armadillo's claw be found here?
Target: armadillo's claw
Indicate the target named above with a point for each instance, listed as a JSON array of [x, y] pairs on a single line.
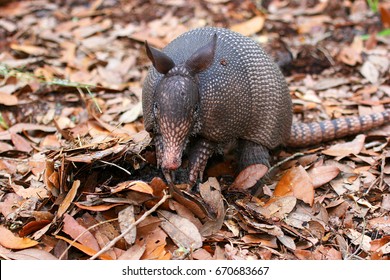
[[169, 176]]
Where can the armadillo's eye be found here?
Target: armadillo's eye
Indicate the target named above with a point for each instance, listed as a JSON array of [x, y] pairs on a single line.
[[197, 108], [155, 108]]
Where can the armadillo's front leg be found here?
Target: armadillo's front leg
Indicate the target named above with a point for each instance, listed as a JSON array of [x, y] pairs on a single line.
[[199, 156]]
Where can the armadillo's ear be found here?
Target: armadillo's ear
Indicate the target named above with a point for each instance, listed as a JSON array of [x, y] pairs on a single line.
[[203, 57], [160, 60]]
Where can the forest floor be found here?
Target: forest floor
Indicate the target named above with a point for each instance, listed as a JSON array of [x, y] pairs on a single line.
[[78, 175]]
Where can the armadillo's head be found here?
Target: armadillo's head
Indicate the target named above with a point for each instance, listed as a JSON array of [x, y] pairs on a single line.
[[176, 102]]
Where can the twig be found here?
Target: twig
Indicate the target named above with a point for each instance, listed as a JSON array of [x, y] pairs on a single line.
[[111, 244], [113, 164], [285, 160], [382, 176]]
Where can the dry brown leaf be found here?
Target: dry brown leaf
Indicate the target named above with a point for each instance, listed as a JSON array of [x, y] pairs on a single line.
[[385, 14], [370, 71], [201, 254], [288, 242], [321, 175], [359, 239], [68, 199], [138, 186], [280, 206], [9, 204], [20, 143], [345, 149], [85, 249], [155, 242], [184, 212], [19, 127], [249, 27], [8, 99], [273, 230], [33, 226], [29, 254], [298, 183], [263, 239], [249, 176], [97, 208], [126, 218], [135, 252], [330, 253], [180, 230], [9, 240], [79, 233], [298, 220], [380, 224], [210, 191], [29, 49], [381, 244]]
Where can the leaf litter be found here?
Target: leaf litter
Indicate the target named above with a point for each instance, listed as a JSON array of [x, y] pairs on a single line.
[[77, 171]]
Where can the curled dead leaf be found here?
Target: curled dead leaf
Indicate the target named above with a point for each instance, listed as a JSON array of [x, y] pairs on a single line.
[[68, 199]]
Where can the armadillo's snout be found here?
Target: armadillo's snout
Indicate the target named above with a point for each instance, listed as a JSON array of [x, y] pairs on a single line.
[[171, 159], [171, 162]]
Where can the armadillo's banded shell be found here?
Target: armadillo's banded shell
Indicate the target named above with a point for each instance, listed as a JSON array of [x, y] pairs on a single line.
[[304, 134], [243, 93]]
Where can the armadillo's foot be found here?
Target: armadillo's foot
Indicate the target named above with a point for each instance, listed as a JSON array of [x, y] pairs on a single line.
[[199, 156], [252, 153], [159, 149]]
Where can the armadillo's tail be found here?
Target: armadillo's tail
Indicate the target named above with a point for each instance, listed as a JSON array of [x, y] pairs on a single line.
[[305, 134]]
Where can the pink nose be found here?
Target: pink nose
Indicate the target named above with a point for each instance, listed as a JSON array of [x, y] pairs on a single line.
[[171, 164]]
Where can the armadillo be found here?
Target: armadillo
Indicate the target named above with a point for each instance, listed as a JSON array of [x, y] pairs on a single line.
[[211, 86]]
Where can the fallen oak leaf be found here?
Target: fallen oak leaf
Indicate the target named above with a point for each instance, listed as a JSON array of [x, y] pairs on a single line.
[[83, 248], [138, 186], [249, 177], [323, 174], [80, 233], [287, 241], [8, 99], [183, 232], [9, 240], [19, 127], [29, 254], [249, 27], [347, 148], [20, 143], [298, 183], [126, 218], [280, 206], [68, 199], [29, 49]]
